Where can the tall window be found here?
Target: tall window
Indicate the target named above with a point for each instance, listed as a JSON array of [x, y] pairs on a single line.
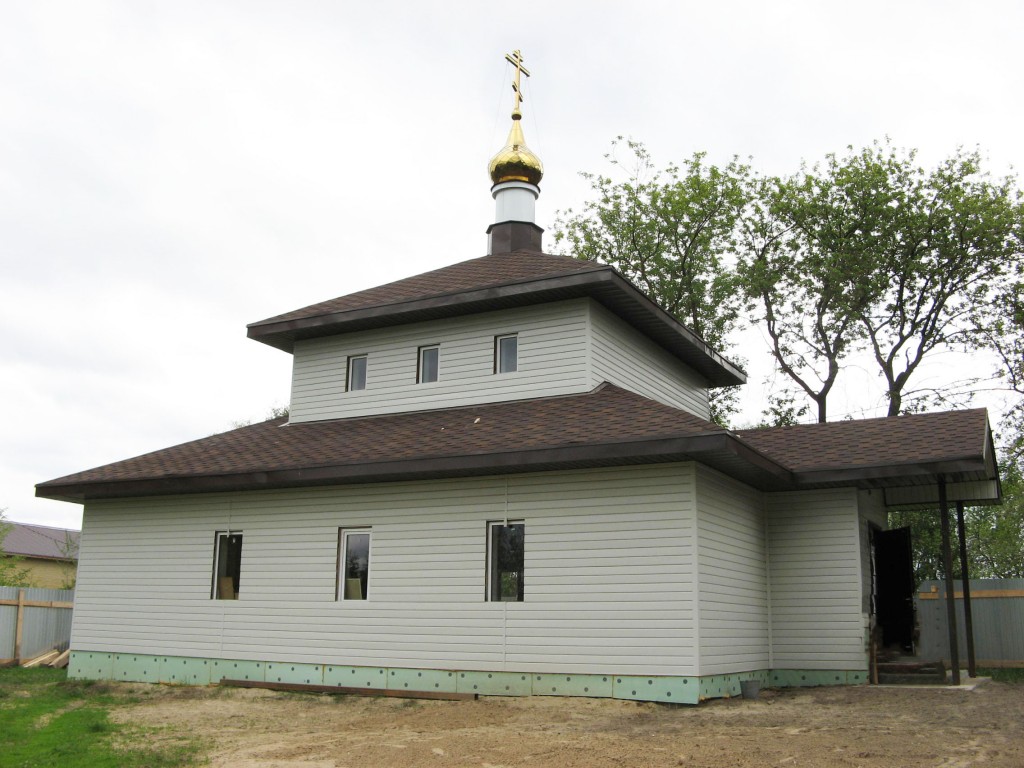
[[505, 560], [356, 373], [428, 363], [354, 564], [506, 353], [227, 564]]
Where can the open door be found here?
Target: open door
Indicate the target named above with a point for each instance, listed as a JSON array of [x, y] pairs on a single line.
[[894, 588]]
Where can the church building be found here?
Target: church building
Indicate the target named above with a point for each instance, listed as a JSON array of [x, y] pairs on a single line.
[[500, 477]]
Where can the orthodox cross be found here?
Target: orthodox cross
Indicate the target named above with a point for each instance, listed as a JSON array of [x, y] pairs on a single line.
[[516, 60]]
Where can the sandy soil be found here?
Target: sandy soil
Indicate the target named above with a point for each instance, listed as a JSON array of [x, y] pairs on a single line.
[[860, 726]]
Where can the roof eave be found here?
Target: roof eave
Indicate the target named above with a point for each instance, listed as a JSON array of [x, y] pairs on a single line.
[[713, 448], [970, 467], [895, 474]]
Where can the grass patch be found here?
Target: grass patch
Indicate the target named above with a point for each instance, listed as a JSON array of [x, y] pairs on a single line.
[[49, 720], [1003, 674]]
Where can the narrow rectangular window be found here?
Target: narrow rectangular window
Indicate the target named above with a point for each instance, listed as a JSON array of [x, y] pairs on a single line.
[[227, 564], [506, 556], [356, 373], [506, 353], [429, 361], [354, 564]]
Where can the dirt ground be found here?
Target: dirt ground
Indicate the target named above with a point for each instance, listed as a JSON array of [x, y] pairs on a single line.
[[856, 726]]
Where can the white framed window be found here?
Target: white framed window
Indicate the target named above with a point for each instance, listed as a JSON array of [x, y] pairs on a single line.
[[356, 378], [428, 363], [506, 353], [227, 565], [353, 563], [506, 558]]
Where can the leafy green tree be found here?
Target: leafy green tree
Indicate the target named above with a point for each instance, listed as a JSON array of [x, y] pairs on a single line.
[[999, 327], [995, 536], [11, 572], [670, 232], [783, 410], [275, 412], [803, 242], [870, 250], [946, 239], [69, 567]]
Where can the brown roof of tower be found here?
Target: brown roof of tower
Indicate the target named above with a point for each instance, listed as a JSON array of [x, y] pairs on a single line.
[[500, 281]]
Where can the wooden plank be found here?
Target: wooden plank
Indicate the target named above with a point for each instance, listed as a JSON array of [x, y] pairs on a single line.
[[38, 603], [980, 593], [62, 660], [42, 659], [19, 625], [387, 692]]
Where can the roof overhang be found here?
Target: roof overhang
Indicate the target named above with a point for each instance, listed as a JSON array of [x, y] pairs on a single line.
[[604, 285], [907, 457], [972, 479], [721, 451]]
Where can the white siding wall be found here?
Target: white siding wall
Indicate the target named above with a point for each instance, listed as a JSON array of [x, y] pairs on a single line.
[[552, 361], [564, 348], [627, 358], [732, 586], [815, 580], [609, 574]]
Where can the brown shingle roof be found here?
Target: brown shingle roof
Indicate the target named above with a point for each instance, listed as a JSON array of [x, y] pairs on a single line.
[[925, 438], [484, 272], [516, 279], [607, 415], [608, 426]]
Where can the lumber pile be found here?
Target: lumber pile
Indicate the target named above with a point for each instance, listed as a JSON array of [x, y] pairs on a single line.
[[52, 658]]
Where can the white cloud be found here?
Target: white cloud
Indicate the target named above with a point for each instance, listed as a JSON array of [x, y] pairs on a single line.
[[170, 172]]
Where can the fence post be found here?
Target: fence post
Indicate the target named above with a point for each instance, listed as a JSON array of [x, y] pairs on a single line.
[[18, 626]]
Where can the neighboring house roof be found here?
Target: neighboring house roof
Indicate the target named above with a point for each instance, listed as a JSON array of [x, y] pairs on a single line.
[[607, 426], [41, 541], [501, 281]]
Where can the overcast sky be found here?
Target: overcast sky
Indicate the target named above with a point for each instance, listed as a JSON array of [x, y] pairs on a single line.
[[172, 171]]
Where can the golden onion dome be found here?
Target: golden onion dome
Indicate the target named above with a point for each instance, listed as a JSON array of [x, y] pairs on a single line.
[[515, 161]]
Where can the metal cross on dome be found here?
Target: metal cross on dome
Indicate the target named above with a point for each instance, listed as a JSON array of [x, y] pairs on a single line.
[[516, 60]]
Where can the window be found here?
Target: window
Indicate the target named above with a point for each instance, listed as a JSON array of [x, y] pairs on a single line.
[[506, 353], [426, 370], [356, 373], [227, 564], [505, 560], [354, 564]]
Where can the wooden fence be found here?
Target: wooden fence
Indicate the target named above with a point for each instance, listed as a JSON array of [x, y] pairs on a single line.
[[33, 621], [997, 607]]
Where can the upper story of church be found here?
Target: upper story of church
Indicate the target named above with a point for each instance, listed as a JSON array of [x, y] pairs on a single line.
[[515, 324]]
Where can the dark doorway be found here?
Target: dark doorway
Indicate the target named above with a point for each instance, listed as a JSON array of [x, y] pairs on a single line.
[[894, 588]]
